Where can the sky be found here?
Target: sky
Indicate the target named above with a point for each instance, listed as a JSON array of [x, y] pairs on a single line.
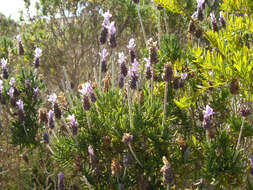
[[12, 7]]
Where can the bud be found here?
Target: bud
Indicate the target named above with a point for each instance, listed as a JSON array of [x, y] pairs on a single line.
[[214, 24], [123, 69], [152, 51], [192, 27], [61, 185], [57, 111], [103, 66], [86, 103], [103, 36], [168, 72], [132, 56], [121, 81], [222, 20], [51, 119], [43, 116], [112, 31], [234, 87], [133, 81], [127, 138], [46, 138]]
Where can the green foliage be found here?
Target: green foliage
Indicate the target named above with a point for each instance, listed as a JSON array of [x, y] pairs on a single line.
[[24, 132]]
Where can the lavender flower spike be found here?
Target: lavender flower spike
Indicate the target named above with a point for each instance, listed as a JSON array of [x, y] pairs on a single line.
[[112, 31], [222, 20], [112, 28], [4, 68], [38, 53], [91, 151], [11, 92], [200, 4], [21, 112], [148, 69], [20, 105], [214, 24], [61, 185], [73, 124], [208, 112], [51, 119]]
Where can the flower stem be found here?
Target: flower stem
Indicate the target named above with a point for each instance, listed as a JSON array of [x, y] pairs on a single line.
[[87, 118], [142, 26], [134, 155], [129, 99], [240, 135], [165, 101], [159, 28]]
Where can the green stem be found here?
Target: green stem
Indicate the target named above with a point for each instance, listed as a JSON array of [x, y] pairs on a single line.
[[165, 101], [134, 155], [129, 99], [159, 28], [142, 26], [87, 118], [240, 135]]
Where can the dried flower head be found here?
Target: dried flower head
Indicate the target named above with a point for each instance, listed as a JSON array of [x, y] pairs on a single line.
[[167, 172], [115, 167], [168, 72], [127, 138], [245, 110]]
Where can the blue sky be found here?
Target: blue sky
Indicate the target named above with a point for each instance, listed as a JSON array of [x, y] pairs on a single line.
[[12, 7]]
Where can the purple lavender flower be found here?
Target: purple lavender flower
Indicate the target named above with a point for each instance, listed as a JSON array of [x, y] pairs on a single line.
[[35, 93], [85, 92], [136, 1], [112, 31], [21, 112], [134, 75], [73, 124], [208, 112], [122, 61], [200, 15], [51, 119], [20, 105], [222, 20], [107, 17], [61, 185], [148, 69], [46, 138], [131, 47], [21, 48], [183, 76], [103, 55], [4, 68], [121, 81], [11, 92], [38, 53], [213, 21], [52, 98], [131, 44], [12, 81]]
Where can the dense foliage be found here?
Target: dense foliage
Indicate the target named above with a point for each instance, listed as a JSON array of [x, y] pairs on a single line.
[[128, 94]]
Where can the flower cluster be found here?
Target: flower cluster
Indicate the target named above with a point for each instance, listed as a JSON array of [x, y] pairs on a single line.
[[87, 91], [38, 53]]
